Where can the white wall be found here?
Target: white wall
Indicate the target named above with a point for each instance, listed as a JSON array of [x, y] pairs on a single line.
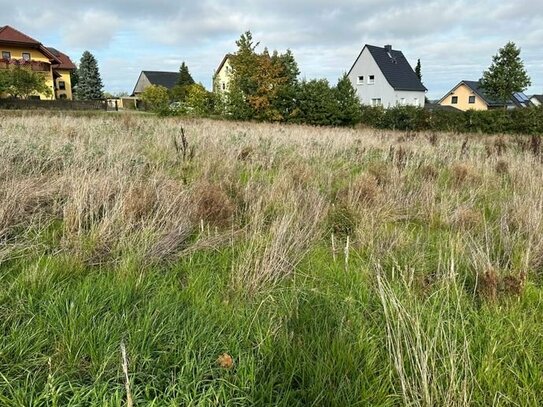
[[366, 66]]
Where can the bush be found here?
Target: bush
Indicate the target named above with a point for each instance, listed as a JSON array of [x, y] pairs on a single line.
[[156, 98]]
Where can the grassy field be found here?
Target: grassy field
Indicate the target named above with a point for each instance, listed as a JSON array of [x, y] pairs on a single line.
[[160, 262]]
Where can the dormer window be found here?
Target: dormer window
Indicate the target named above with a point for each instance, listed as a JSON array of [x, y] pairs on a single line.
[[371, 79], [26, 56], [360, 80]]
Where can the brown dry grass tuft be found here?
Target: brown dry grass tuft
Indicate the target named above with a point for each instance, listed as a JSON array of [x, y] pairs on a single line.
[[212, 205]]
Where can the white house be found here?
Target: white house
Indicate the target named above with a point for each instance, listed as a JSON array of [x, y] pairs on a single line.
[[383, 77]]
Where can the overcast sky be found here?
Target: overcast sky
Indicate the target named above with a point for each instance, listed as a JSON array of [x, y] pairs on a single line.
[[455, 39]]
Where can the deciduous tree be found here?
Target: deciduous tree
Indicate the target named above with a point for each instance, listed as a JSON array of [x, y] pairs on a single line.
[[21, 83], [156, 98]]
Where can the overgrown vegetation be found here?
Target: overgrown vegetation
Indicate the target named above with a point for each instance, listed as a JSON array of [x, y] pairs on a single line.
[[196, 262], [21, 83]]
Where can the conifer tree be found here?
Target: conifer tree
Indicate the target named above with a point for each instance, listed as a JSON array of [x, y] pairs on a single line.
[[348, 103], [506, 75], [185, 78], [90, 84], [418, 70]]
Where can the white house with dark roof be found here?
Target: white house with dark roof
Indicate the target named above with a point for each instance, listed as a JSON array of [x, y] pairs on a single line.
[[383, 77]]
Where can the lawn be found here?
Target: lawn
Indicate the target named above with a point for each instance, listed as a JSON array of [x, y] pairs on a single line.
[[163, 262]]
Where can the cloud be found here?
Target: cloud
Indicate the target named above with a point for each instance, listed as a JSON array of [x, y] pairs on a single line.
[[92, 29]]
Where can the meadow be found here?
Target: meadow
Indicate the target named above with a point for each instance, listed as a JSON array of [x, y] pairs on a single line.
[[152, 261]]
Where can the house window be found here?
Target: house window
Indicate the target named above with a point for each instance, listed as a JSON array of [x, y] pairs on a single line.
[[26, 56], [6, 55], [472, 100], [371, 79], [62, 85], [63, 96], [376, 102], [360, 80], [416, 102], [402, 101], [223, 86], [454, 100]]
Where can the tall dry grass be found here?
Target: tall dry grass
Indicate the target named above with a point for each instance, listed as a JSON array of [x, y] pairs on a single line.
[[440, 225]]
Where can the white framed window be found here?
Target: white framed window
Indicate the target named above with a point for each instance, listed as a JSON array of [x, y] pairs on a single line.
[[376, 102], [360, 80], [402, 102], [6, 55], [26, 56], [416, 102], [371, 79]]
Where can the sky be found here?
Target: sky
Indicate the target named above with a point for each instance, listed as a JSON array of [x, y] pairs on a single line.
[[454, 39]]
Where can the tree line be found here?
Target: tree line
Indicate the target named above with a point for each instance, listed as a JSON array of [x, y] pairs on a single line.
[[263, 86], [266, 86]]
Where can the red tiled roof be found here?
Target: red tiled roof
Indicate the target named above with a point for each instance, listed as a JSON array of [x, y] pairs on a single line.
[[10, 34], [65, 61]]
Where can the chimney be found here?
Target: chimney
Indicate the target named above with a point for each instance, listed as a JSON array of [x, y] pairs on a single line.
[[388, 48]]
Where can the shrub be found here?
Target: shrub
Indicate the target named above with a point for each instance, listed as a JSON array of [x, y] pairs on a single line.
[[156, 98]]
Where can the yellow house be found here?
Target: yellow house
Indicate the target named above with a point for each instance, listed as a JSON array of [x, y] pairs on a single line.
[[468, 95], [18, 49], [223, 75]]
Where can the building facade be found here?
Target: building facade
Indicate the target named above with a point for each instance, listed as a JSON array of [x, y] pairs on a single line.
[[223, 75], [383, 77], [20, 50]]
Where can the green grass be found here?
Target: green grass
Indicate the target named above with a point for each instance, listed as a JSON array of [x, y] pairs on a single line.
[[404, 319]]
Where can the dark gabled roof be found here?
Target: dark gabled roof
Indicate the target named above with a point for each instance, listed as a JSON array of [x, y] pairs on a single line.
[[475, 86], [538, 98], [166, 79], [395, 67]]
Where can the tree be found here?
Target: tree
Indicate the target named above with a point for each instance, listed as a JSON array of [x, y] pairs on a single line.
[[155, 98], [179, 92], [316, 104], [74, 77], [285, 101], [348, 102], [21, 83], [185, 78], [198, 101], [506, 75], [263, 85], [89, 85], [4, 81], [418, 70]]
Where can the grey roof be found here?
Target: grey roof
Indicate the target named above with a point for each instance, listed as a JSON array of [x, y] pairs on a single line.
[[538, 98], [475, 86], [396, 69], [166, 79]]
